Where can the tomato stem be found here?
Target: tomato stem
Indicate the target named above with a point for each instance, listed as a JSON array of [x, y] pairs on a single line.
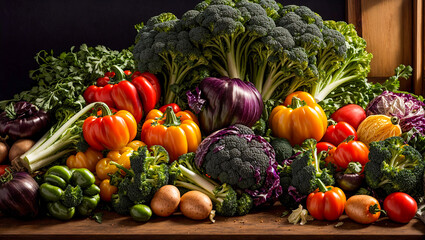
[[375, 208]]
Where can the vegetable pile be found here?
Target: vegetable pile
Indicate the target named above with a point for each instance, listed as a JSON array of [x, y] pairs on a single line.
[[233, 106]]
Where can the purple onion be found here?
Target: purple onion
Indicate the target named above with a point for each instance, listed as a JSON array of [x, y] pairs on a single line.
[[222, 102], [18, 195], [23, 120], [407, 108]]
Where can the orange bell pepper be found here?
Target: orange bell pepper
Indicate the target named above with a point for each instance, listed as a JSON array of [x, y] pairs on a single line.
[[298, 121], [178, 133], [109, 131], [87, 159]]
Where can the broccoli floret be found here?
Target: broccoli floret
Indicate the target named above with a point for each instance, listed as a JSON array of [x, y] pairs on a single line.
[[306, 169], [149, 172], [245, 204], [395, 166], [121, 203], [72, 196], [224, 197], [282, 148]]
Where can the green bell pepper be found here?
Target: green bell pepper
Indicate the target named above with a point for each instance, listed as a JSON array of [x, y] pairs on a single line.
[[59, 211], [69, 191]]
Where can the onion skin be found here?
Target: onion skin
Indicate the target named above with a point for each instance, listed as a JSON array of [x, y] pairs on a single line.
[[28, 122], [227, 102], [19, 196]]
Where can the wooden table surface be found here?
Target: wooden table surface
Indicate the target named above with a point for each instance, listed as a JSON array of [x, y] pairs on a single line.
[[265, 224]]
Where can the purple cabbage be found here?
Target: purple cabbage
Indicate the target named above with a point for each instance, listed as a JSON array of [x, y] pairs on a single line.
[[270, 189], [221, 102], [406, 107]]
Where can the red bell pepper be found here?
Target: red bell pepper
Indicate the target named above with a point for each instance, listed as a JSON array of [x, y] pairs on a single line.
[[326, 202], [123, 95], [336, 133]]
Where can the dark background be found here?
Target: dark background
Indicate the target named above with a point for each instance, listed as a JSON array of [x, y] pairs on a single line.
[[28, 26]]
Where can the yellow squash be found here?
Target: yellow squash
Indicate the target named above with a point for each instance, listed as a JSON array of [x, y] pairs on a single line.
[[378, 128]]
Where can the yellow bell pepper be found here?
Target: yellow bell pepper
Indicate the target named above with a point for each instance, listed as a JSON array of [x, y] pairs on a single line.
[[300, 120]]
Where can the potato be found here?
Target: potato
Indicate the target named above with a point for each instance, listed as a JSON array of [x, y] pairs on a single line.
[[195, 205], [20, 147], [165, 201], [4, 151]]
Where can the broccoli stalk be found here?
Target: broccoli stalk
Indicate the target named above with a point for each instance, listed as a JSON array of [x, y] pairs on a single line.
[[339, 64], [223, 196]]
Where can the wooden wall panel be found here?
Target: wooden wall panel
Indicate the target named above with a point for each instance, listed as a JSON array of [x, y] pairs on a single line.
[[394, 31], [387, 27]]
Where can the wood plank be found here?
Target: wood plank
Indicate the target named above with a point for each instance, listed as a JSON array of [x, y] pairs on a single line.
[[354, 14], [387, 28], [266, 223], [418, 47]]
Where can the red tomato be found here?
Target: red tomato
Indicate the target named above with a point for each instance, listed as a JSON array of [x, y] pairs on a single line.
[[351, 113], [102, 81], [351, 151], [400, 207], [337, 133], [325, 146], [175, 107], [3, 169]]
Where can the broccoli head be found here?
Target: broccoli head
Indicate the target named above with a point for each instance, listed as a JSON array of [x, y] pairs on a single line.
[[395, 166], [236, 156], [306, 169], [282, 148]]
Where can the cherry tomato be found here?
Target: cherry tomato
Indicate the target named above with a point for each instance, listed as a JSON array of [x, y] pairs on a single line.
[[351, 113], [175, 107], [127, 72], [324, 146], [400, 207], [110, 74], [337, 133], [3, 169], [351, 151], [102, 81]]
